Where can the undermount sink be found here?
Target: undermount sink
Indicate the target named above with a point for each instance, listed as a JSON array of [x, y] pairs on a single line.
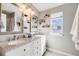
[[16, 42]]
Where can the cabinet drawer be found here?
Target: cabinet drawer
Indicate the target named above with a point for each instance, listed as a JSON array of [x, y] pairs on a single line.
[[37, 53], [37, 42], [37, 47]]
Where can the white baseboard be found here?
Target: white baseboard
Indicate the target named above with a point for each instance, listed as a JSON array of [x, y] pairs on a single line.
[[58, 51]]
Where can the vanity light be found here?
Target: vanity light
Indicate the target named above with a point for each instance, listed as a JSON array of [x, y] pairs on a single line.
[[22, 6], [33, 13], [46, 16], [29, 12]]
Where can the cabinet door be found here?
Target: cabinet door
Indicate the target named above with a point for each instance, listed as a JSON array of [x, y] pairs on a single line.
[[28, 49], [15, 52]]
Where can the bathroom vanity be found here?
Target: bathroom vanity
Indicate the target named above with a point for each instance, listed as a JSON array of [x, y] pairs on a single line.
[[28, 49], [24, 47]]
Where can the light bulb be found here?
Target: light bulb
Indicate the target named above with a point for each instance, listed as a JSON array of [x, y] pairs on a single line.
[[33, 13], [22, 6]]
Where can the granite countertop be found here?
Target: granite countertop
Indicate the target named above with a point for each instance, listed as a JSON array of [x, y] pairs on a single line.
[[4, 47]]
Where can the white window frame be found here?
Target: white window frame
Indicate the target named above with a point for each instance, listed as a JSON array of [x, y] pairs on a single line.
[[56, 15]]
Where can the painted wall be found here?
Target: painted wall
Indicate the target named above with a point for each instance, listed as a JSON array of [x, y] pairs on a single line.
[[63, 43]]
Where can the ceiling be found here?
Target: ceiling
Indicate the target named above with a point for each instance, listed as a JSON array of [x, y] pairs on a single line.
[[44, 6]]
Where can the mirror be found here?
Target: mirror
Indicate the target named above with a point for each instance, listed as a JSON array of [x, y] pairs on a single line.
[[11, 18]]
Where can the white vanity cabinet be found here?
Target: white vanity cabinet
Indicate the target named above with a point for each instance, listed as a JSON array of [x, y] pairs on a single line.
[[42, 42], [32, 48]]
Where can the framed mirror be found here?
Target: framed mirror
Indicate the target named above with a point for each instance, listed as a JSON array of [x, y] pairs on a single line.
[[10, 18]]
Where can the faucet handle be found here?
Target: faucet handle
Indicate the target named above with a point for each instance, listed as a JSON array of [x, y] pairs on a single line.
[[8, 39], [24, 36], [14, 37]]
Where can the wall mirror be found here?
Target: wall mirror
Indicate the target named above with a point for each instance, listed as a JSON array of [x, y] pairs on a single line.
[[10, 18]]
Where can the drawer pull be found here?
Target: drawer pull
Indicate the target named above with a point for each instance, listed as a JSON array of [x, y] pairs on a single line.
[[24, 49], [37, 47], [37, 42]]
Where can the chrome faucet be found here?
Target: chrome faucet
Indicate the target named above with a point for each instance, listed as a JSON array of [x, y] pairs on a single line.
[[11, 38], [14, 37]]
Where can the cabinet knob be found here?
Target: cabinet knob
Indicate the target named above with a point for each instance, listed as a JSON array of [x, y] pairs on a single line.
[[37, 42], [37, 47], [37, 52], [24, 49]]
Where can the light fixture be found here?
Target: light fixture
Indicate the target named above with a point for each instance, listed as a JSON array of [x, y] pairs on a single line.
[[29, 12], [33, 13], [26, 12], [22, 6]]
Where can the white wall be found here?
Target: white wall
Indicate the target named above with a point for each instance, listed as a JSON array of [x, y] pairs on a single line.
[[63, 43]]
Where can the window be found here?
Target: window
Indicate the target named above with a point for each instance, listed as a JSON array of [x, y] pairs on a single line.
[[56, 22]]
